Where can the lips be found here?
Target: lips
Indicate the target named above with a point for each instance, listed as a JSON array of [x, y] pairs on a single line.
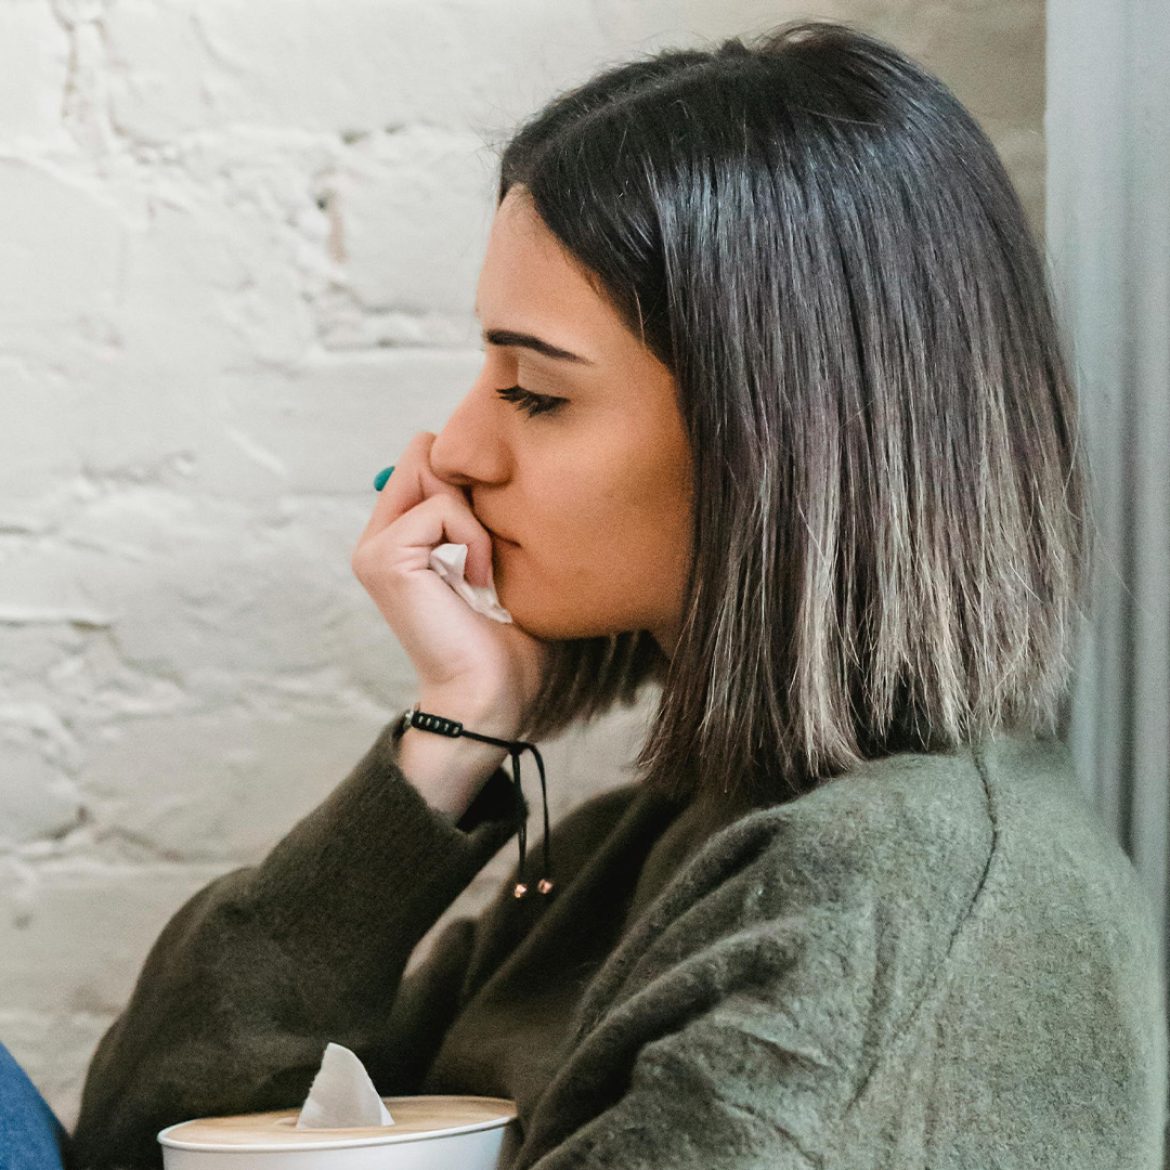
[[499, 535], [480, 517]]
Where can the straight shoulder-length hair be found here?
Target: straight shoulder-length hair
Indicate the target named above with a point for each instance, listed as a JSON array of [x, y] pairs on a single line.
[[890, 546]]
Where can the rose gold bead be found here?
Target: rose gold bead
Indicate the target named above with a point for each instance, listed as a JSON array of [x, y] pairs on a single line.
[[544, 885], [520, 890]]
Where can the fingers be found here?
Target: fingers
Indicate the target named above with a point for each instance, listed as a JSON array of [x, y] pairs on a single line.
[[410, 491], [405, 544], [404, 489]]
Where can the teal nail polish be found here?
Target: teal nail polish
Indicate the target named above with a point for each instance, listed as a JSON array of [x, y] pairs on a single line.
[[382, 476]]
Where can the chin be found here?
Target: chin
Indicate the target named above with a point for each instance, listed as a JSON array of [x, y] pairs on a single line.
[[550, 629], [554, 627]]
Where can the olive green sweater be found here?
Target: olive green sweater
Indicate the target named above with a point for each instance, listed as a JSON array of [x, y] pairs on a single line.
[[934, 961]]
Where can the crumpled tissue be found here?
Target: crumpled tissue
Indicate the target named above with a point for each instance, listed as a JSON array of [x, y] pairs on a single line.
[[449, 562], [342, 1096]]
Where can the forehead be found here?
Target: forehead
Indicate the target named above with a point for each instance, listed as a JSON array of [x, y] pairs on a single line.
[[526, 271]]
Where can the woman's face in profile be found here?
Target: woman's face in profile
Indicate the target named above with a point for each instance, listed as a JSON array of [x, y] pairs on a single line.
[[595, 490]]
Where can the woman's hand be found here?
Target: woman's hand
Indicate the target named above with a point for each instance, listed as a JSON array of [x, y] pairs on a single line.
[[491, 666]]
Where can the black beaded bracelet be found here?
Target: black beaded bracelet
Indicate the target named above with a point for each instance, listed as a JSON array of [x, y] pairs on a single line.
[[453, 729]]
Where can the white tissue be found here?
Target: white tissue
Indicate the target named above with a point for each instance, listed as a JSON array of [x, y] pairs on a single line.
[[449, 561], [342, 1096]]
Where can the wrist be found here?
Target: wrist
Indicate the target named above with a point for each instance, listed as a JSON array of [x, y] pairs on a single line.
[[449, 771], [492, 717]]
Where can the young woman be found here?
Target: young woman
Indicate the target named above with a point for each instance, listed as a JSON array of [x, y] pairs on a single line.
[[773, 414]]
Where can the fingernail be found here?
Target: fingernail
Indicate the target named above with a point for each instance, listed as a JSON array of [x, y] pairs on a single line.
[[382, 476]]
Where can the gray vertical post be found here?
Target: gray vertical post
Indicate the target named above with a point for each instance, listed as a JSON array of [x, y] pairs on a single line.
[[1107, 128]]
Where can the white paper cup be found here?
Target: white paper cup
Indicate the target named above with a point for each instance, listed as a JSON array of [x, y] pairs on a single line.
[[429, 1133]]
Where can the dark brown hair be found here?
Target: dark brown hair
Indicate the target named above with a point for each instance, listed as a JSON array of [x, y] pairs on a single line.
[[889, 539]]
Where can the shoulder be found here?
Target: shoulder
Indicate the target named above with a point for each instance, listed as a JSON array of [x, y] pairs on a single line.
[[904, 830], [845, 900], [866, 878], [1057, 867], [921, 841]]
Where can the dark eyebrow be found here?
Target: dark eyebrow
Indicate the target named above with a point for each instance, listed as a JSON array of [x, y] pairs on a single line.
[[536, 344]]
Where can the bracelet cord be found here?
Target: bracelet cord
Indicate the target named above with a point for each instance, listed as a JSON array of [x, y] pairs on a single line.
[[452, 728]]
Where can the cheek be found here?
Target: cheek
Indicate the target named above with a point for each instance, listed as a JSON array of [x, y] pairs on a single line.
[[598, 576], [567, 552], [604, 537]]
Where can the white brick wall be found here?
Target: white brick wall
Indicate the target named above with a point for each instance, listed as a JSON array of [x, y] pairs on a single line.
[[237, 265]]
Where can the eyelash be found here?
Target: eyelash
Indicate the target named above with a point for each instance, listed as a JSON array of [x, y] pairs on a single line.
[[530, 403]]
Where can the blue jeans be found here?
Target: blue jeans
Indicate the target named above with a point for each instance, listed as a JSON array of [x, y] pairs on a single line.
[[31, 1137]]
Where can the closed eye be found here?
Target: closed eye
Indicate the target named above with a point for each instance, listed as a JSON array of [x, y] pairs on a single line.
[[530, 403]]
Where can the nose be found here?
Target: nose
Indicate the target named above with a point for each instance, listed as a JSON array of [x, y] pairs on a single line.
[[468, 450]]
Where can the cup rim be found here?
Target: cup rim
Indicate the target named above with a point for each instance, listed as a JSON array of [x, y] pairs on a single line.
[[339, 1143]]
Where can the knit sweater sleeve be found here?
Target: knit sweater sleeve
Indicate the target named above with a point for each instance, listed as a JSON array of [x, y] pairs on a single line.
[[256, 972]]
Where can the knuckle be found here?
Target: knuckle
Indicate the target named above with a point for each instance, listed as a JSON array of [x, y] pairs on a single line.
[[359, 562]]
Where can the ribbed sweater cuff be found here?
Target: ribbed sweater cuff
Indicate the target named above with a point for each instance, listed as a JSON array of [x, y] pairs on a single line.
[[375, 861]]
